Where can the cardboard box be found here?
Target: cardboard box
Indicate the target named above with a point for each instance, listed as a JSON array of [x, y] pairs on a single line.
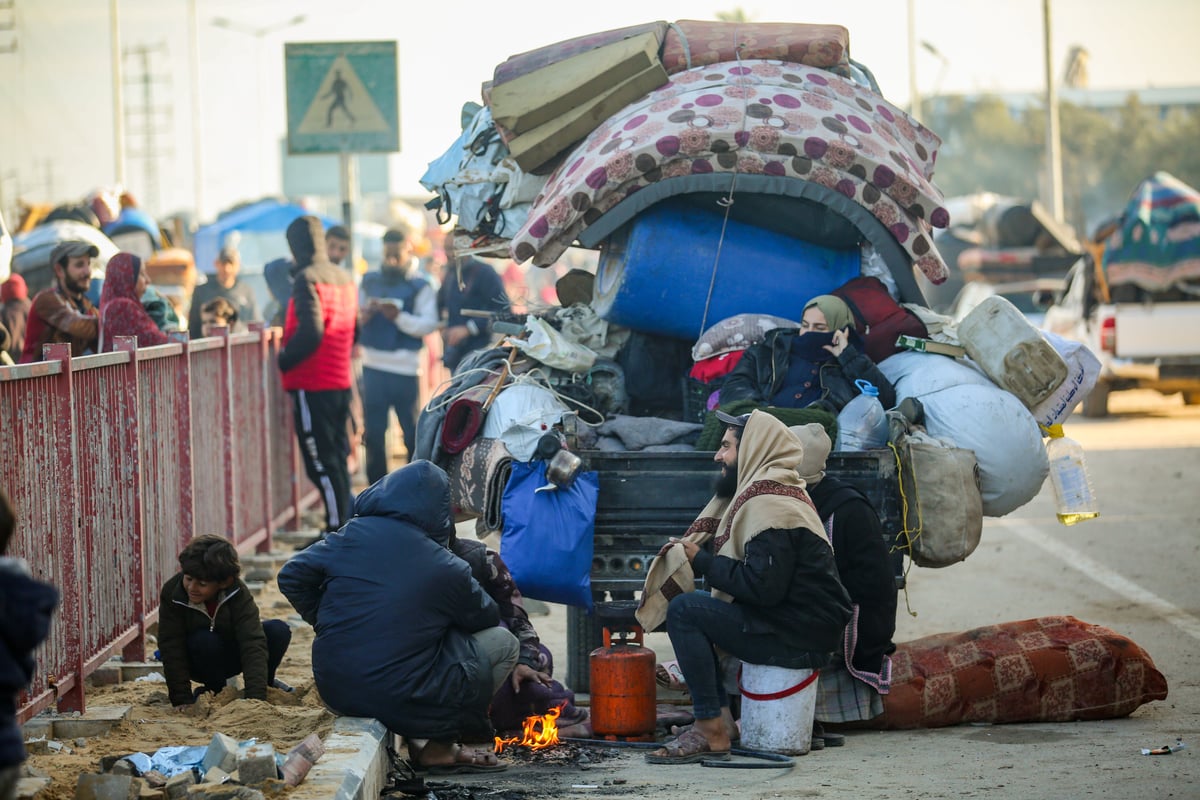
[[541, 96], [539, 145]]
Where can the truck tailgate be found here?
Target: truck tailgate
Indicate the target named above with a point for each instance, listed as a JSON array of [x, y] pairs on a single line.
[[1159, 330]]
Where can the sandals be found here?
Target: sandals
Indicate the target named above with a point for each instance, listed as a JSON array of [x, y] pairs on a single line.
[[669, 676], [458, 766], [690, 747]]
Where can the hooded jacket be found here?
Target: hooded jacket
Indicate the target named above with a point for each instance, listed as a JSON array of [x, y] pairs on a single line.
[[319, 326], [121, 311], [786, 580], [394, 611], [864, 566], [236, 620], [26, 606], [760, 374]]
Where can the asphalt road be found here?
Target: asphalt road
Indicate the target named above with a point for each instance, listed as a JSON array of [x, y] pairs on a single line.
[[1133, 569]]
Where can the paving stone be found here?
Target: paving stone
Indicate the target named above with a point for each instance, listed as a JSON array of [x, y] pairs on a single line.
[[40, 727], [214, 775], [37, 747], [208, 791], [257, 764], [178, 785], [259, 574], [106, 787], [98, 721], [222, 752], [106, 675], [140, 669], [154, 779], [29, 788]]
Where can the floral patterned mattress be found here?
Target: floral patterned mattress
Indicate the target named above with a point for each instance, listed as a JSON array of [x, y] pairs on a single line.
[[751, 116]]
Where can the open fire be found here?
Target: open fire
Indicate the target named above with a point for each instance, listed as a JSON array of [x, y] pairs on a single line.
[[539, 732]]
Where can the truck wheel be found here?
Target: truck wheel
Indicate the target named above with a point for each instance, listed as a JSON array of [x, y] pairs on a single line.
[[584, 634], [1096, 403]]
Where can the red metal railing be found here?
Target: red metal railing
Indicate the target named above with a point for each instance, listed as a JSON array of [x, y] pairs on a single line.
[[117, 461]]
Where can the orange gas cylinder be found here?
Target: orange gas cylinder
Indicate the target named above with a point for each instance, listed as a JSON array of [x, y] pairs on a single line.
[[623, 692]]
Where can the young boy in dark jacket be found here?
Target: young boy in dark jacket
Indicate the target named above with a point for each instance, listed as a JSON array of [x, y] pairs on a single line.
[[209, 629], [25, 609]]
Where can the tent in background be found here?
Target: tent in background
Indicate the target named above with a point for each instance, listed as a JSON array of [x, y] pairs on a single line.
[[261, 237], [261, 227]]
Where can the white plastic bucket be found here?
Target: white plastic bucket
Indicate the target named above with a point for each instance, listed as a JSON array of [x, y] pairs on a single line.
[[778, 706]]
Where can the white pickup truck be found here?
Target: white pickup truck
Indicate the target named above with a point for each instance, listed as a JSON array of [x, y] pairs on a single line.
[[1143, 340]]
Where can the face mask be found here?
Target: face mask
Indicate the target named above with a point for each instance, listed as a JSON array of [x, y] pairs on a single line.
[[811, 346]]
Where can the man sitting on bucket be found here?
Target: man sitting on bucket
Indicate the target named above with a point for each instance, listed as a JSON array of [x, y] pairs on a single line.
[[775, 599]]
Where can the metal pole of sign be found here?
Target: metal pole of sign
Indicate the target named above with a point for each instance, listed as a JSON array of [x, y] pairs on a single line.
[[349, 171]]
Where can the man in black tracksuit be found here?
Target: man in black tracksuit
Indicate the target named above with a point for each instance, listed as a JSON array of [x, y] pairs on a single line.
[[318, 333]]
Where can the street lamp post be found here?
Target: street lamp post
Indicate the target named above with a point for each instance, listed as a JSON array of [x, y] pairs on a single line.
[[259, 34]]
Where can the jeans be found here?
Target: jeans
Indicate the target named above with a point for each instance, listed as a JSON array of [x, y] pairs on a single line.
[[697, 622], [383, 392], [213, 659]]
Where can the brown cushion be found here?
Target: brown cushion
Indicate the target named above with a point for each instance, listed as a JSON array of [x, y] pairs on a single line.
[[1050, 669]]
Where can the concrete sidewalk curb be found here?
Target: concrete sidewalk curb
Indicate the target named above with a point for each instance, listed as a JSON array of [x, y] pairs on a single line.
[[355, 764]]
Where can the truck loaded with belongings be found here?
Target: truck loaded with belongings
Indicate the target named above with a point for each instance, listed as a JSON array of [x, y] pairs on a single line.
[[727, 173]]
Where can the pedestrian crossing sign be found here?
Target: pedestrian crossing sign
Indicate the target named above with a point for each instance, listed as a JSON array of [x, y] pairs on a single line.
[[342, 97]]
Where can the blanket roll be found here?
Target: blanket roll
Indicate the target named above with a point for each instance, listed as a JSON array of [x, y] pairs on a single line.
[[478, 476]]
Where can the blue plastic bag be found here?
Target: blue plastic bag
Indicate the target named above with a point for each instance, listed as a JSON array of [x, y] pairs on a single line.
[[547, 538]]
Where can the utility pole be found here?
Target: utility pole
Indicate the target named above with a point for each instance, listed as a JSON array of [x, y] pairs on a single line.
[[1054, 176], [8, 26], [914, 93], [148, 120], [114, 43]]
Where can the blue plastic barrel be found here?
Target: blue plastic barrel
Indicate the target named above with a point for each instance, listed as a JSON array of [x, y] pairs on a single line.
[[655, 272]]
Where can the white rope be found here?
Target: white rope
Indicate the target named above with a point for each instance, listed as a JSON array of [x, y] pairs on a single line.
[[727, 201]]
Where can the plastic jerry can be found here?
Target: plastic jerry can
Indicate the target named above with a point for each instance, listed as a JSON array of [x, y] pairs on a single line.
[[1011, 351]]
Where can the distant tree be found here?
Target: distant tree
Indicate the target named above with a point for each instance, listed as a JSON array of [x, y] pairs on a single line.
[[986, 147], [736, 15]]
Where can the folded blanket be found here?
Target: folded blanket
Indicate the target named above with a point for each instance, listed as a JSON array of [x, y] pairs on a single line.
[[640, 433], [478, 476]]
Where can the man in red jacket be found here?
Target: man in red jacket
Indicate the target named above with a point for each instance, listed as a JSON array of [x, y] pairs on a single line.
[[63, 313], [318, 333]]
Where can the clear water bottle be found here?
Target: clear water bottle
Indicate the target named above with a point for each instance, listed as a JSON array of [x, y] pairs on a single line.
[[862, 423], [1073, 498]]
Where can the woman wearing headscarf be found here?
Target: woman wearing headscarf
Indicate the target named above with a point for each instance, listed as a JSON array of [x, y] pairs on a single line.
[[121, 311], [814, 365]]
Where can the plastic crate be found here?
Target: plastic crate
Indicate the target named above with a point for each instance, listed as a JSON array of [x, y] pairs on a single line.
[[695, 398]]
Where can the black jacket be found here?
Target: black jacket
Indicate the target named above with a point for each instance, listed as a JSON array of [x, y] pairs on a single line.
[[763, 368], [788, 585], [394, 611], [864, 566], [482, 290], [26, 606], [236, 620]]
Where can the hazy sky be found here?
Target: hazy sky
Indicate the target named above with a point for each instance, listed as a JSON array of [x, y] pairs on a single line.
[[57, 87]]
